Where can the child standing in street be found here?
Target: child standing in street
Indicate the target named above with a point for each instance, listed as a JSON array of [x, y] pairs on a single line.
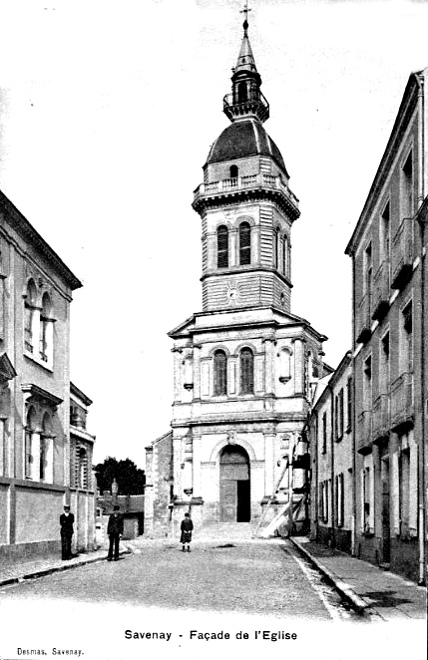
[[186, 532]]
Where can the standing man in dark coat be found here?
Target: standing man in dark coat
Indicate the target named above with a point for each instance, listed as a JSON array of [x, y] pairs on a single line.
[[115, 531], [66, 521], [186, 532]]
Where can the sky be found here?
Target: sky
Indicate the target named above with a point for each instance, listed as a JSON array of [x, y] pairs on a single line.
[[107, 113]]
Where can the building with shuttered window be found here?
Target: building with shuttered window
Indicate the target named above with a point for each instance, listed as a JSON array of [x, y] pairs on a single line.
[[36, 290], [388, 251]]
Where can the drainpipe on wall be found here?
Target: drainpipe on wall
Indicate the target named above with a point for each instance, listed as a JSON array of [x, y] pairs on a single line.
[[332, 489], [316, 494], [423, 532], [354, 428]]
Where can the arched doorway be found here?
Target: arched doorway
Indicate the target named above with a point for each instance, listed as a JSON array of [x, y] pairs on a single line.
[[235, 500]]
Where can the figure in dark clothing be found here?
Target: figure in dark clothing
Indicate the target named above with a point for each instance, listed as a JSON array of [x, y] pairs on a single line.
[[115, 531], [186, 532], [66, 521]]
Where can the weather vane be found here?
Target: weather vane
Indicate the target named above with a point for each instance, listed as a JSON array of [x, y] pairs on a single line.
[[245, 11]]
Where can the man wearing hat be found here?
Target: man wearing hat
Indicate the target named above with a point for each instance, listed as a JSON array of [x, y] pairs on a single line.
[[66, 521], [115, 531]]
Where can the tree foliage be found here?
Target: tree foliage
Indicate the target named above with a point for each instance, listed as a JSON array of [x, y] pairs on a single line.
[[129, 478]]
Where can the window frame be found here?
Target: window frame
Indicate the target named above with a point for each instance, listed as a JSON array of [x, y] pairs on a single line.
[[222, 246], [220, 384], [246, 371]]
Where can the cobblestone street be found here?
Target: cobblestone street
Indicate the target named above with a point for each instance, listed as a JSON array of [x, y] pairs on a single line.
[[220, 574]]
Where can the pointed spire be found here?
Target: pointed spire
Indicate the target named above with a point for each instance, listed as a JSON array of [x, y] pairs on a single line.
[[246, 60], [246, 99]]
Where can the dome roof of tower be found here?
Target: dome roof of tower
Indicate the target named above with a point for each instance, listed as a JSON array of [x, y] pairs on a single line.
[[244, 138]]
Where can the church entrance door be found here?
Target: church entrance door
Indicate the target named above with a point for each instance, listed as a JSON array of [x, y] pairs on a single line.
[[235, 499]]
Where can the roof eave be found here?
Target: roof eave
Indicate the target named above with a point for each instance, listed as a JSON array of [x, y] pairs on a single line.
[[405, 111]]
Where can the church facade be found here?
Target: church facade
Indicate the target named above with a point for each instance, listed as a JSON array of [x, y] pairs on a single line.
[[243, 366]]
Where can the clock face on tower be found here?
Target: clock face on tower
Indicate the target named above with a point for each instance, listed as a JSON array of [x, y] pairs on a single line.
[[232, 293]]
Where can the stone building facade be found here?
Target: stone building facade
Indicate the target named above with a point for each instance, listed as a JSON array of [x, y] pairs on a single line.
[[35, 294], [82, 479], [330, 434], [243, 366], [388, 251]]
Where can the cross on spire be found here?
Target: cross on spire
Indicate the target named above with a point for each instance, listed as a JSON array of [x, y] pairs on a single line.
[[245, 11]]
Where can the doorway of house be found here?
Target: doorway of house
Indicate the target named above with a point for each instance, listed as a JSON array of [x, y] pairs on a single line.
[[386, 531], [235, 494]]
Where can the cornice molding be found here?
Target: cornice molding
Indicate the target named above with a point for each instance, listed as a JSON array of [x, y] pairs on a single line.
[[28, 233], [237, 196]]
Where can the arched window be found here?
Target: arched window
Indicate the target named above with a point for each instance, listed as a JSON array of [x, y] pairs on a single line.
[[234, 171], [276, 248], [29, 430], [29, 313], [285, 365], [220, 373], [222, 247], [284, 256], [82, 468], [46, 330], [247, 371], [45, 438], [242, 92], [244, 244]]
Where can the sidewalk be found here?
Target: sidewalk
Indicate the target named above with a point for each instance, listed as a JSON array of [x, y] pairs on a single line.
[[371, 591], [16, 570]]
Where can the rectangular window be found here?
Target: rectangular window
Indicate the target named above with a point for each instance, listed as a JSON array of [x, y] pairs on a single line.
[[336, 417], [349, 404], [28, 455], [384, 364], [42, 458], [324, 501], [385, 234], [324, 433], [341, 413], [406, 202], [368, 269], [407, 339], [404, 490], [1, 304], [340, 500], [2, 448], [366, 499], [367, 392]]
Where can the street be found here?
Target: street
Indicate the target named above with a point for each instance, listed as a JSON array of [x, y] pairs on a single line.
[[223, 573]]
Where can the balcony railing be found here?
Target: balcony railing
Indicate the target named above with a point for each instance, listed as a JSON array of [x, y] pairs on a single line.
[[364, 430], [402, 410], [256, 103], [381, 291], [402, 254], [380, 417], [245, 183], [363, 321]]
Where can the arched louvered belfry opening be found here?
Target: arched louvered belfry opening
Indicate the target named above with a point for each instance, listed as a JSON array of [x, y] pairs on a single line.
[[220, 373], [246, 367], [235, 492], [244, 244], [222, 247]]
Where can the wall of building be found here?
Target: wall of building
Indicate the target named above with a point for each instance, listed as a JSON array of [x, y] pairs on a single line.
[[331, 451], [388, 307], [34, 400]]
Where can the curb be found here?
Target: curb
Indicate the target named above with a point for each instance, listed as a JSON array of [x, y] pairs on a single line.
[[55, 569], [345, 590]]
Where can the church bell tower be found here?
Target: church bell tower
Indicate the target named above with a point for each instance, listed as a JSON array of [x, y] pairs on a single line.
[[245, 203], [243, 366]]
